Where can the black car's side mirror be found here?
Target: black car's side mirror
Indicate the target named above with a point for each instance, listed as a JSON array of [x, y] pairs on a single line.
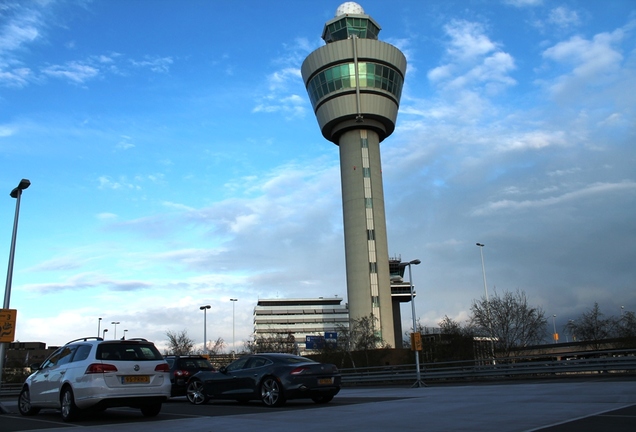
[[223, 369]]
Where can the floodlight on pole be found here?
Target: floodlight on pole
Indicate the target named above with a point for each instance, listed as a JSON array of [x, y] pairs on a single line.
[[205, 326], [418, 382], [115, 324], [483, 271], [233, 302], [17, 194]]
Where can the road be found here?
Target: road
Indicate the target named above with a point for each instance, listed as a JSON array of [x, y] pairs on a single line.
[[564, 406]]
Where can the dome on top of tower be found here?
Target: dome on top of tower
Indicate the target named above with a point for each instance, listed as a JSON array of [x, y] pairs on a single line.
[[349, 8]]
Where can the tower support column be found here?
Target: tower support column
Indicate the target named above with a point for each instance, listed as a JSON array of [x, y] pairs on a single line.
[[366, 246]]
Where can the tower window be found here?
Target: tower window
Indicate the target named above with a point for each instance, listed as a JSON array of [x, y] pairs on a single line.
[[343, 77]]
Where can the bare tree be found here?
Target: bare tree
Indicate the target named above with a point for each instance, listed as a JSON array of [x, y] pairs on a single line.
[[456, 341], [592, 327], [626, 329], [360, 335], [217, 347], [509, 320], [179, 343]]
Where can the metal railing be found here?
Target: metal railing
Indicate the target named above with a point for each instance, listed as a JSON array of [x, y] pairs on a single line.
[[576, 364], [8, 390]]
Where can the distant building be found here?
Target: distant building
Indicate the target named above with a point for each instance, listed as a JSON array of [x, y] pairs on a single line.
[[294, 319], [22, 354]]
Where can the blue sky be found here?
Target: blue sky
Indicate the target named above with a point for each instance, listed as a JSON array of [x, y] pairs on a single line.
[[175, 160]]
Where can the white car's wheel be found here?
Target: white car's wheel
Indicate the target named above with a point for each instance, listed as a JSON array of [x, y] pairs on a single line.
[[24, 403], [69, 409]]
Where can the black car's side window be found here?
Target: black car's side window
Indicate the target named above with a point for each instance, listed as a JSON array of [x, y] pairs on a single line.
[[257, 362], [237, 364]]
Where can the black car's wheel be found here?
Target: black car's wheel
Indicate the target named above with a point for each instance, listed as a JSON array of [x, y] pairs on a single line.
[[151, 410], [69, 409], [272, 392], [322, 399], [195, 393], [24, 403]]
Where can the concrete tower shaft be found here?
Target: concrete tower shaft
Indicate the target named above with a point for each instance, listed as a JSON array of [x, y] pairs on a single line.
[[354, 83]]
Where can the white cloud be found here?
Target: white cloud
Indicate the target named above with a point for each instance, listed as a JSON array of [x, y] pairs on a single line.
[[564, 17], [6, 131], [586, 192], [593, 62], [523, 3], [155, 64], [77, 72], [474, 61], [106, 216]]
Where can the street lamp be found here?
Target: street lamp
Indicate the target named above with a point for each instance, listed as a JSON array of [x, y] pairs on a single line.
[[99, 325], [115, 324], [17, 194], [104, 334], [233, 301], [205, 327], [483, 271], [418, 382]]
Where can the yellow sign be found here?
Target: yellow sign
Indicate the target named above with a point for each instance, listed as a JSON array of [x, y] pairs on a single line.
[[7, 324], [416, 341]]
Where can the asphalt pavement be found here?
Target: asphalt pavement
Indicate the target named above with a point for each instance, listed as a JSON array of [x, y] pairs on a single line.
[[582, 405]]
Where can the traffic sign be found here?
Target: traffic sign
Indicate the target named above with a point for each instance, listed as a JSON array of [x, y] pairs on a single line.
[[7, 324]]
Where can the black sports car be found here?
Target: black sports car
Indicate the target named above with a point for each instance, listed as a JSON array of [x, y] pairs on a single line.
[[271, 378]]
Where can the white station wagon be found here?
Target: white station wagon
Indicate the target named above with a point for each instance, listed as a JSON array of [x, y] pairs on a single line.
[[92, 373]]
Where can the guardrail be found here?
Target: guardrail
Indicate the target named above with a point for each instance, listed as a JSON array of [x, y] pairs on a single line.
[[576, 364], [8, 390]]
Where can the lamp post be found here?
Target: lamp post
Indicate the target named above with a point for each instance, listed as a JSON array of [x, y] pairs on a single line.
[[104, 334], [17, 194], [483, 271], [115, 324], [555, 336], [418, 382], [233, 302], [99, 325], [205, 327]]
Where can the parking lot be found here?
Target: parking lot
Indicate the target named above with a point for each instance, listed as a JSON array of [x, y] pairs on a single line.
[[581, 405]]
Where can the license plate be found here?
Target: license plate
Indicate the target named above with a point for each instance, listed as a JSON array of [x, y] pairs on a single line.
[[323, 381], [135, 379]]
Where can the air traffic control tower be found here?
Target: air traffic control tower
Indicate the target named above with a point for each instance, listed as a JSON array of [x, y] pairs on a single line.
[[354, 84]]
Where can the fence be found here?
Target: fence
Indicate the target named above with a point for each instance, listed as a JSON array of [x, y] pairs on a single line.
[[538, 366], [575, 364]]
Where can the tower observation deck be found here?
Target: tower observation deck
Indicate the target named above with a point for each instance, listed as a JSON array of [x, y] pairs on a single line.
[[354, 84]]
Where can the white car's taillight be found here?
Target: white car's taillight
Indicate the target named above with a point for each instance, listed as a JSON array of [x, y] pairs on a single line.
[[100, 368]]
